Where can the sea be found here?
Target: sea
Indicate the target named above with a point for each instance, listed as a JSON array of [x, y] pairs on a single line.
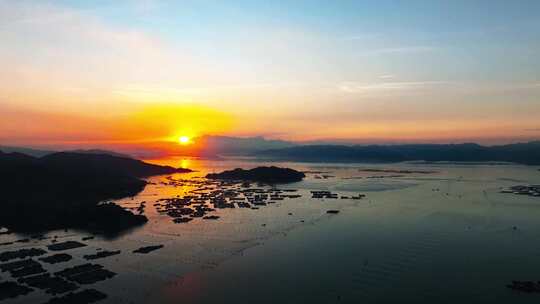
[[416, 232]]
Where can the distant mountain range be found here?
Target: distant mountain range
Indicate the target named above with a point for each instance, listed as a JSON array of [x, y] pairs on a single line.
[[523, 153], [27, 151], [40, 153], [215, 146], [207, 146], [225, 145]]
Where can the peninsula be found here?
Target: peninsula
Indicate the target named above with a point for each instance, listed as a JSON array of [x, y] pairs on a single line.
[[65, 190]]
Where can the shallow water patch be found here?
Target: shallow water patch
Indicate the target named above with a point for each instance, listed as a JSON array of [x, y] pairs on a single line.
[[374, 186]]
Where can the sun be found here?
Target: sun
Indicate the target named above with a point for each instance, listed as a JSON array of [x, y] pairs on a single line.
[[184, 140]]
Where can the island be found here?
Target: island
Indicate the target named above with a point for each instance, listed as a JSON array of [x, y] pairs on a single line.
[[68, 190], [269, 175]]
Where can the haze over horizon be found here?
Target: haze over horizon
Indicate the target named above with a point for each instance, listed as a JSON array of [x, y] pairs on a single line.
[[142, 74]]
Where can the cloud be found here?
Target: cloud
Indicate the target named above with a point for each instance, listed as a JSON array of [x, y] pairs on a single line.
[[62, 55], [362, 87], [399, 50], [365, 36]]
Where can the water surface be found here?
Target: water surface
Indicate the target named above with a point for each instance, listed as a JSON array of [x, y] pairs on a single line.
[[443, 237]]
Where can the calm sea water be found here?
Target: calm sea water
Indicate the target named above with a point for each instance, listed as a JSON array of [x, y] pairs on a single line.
[[444, 237]]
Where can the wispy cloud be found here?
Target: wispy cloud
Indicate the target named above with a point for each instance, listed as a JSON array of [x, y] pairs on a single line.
[[399, 50], [62, 54], [362, 87], [364, 36]]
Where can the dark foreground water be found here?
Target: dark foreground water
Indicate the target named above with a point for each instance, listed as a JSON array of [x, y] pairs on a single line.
[[443, 237]]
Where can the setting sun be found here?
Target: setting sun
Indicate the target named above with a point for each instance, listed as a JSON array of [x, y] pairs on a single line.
[[184, 140]]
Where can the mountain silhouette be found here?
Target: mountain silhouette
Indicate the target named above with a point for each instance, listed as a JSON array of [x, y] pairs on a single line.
[[63, 190], [523, 153]]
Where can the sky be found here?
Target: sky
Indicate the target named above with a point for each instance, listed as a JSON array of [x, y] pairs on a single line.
[[98, 73]]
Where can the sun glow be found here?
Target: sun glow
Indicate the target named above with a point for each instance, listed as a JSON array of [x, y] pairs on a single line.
[[176, 124], [184, 140]]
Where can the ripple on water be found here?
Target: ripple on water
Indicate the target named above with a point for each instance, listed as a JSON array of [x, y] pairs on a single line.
[[374, 186]]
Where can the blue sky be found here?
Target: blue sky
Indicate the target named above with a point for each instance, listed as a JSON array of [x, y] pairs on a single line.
[[464, 40]]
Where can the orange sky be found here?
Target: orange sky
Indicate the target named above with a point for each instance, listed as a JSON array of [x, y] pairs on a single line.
[[159, 126]]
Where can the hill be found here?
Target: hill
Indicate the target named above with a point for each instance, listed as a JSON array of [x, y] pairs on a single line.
[[271, 175], [41, 153], [99, 151], [62, 190], [27, 151]]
